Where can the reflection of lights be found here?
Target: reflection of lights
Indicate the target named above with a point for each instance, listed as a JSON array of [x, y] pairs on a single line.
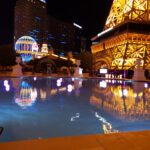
[[53, 92], [23, 102], [62, 89], [58, 84], [73, 79], [125, 92], [73, 118], [140, 94], [113, 81], [107, 127], [95, 101], [70, 88], [27, 99], [146, 85], [27, 95], [106, 75], [80, 71], [103, 84], [7, 86], [135, 95], [120, 93], [33, 94], [42, 94], [5, 82], [80, 83], [35, 78], [59, 81]]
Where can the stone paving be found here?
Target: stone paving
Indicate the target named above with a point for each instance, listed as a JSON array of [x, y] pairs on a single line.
[[119, 141]]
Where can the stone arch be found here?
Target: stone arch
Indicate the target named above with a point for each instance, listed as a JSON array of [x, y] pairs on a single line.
[[101, 61]]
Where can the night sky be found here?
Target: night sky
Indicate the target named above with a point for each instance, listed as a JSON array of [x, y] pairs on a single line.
[[89, 14]]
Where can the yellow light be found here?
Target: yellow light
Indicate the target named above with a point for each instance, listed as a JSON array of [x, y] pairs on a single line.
[[63, 58]]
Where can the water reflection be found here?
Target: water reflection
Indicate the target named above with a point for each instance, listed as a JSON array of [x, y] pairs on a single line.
[[124, 100], [27, 95], [107, 127], [76, 107], [127, 100], [28, 90]]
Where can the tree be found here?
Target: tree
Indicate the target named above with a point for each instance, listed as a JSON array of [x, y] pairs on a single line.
[[86, 61], [7, 55]]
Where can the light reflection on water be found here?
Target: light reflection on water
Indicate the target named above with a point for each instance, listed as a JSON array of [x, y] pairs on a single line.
[[51, 107]]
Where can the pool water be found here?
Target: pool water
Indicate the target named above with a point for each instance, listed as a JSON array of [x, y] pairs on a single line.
[[36, 108]]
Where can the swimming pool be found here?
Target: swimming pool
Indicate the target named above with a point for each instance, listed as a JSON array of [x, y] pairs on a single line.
[[36, 108]]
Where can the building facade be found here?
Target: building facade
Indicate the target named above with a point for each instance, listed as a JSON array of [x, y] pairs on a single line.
[[126, 37], [31, 19]]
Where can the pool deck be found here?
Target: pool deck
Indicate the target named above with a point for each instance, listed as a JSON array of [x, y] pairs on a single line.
[[119, 141], [30, 74]]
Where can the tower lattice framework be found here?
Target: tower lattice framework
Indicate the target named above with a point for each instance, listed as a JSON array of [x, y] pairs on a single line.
[[126, 36]]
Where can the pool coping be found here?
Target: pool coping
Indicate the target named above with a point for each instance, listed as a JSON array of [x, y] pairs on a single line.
[[117, 141], [61, 76]]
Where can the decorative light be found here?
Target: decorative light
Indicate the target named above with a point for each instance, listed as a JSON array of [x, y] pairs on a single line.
[[44, 1], [25, 46], [105, 31], [80, 71], [103, 71], [78, 26], [146, 85], [103, 84]]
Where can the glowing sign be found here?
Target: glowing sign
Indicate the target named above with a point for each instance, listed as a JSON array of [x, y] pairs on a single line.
[[44, 1], [103, 71]]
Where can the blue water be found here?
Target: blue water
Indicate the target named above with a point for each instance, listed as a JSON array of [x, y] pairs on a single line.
[[36, 108]]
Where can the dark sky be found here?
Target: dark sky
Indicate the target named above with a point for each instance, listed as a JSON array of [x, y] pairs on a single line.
[[91, 14]]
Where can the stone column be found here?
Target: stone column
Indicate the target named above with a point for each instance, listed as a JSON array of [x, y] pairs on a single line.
[[17, 69], [78, 70], [138, 71]]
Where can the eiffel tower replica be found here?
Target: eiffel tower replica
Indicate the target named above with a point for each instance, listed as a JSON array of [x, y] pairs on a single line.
[[125, 38]]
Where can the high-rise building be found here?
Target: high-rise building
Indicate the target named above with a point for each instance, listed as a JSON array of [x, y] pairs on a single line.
[[61, 36], [30, 18]]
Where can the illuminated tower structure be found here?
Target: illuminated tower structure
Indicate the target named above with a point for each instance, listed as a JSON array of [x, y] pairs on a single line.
[[30, 19], [126, 36]]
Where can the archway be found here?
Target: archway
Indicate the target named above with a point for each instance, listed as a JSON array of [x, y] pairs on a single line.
[[102, 63]]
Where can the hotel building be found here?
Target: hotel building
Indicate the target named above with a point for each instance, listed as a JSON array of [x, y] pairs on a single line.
[[31, 19]]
